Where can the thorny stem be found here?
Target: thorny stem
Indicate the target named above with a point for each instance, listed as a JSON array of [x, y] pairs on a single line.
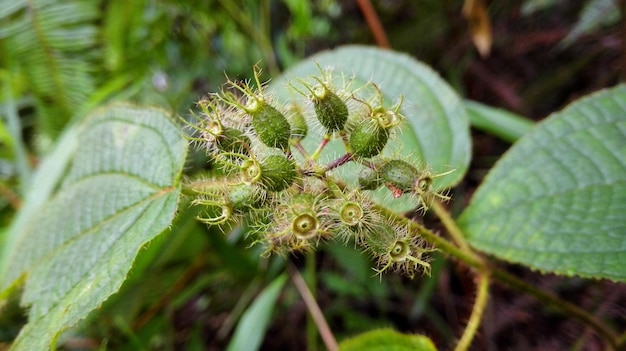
[[314, 309], [454, 231], [338, 162], [472, 259], [482, 295]]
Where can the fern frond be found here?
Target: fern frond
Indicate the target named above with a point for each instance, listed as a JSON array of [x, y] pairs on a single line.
[[50, 45]]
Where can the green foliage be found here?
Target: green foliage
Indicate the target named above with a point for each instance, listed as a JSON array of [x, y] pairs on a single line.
[[387, 340], [563, 209], [78, 248], [46, 44], [307, 158]]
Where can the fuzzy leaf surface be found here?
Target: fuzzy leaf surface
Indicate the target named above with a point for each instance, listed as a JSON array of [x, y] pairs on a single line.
[[556, 200], [120, 191], [436, 130]]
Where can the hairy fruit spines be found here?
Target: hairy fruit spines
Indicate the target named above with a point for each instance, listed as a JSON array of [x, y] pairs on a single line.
[[289, 191]]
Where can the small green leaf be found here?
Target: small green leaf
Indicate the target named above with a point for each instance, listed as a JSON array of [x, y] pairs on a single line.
[[253, 324], [120, 192], [557, 200], [436, 131], [387, 340]]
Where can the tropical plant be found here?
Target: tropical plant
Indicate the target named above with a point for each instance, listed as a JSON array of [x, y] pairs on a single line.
[[350, 153]]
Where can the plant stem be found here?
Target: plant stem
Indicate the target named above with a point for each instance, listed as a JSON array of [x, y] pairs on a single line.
[[448, 222], [338, 162], [310, 278], [468, 256], [472, 259], [321, 147], [482, 295], [314, 309]]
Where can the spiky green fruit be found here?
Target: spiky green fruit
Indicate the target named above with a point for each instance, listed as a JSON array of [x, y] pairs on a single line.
[[270, 125], [330, 109], [399, 174], [277, 173], [368, 139]]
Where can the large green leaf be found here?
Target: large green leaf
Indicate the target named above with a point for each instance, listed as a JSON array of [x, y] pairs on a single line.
[[557, 200], [436, 133], [120, 191], [387, 340]]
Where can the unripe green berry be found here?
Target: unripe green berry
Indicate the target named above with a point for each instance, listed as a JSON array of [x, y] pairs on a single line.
[[277, 173], [270, 125], [331, 110], [368, 139], [399, 174]]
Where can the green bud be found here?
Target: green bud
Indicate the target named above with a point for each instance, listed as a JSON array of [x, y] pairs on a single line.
[[270, 125], [299, 128], [277, 173], [401, 175], [370, 179], [368, 139], [331, 110]]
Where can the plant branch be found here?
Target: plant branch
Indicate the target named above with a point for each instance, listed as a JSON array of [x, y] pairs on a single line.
[[482, 295], [314, 309], [518, 284], [373, 22], [472, 259], [453, 230]]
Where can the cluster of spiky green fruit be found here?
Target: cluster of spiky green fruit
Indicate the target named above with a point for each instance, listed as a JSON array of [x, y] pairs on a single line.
[[292, 201]]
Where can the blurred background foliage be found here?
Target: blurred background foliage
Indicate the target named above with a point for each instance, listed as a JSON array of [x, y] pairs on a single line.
[[188, 289]]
